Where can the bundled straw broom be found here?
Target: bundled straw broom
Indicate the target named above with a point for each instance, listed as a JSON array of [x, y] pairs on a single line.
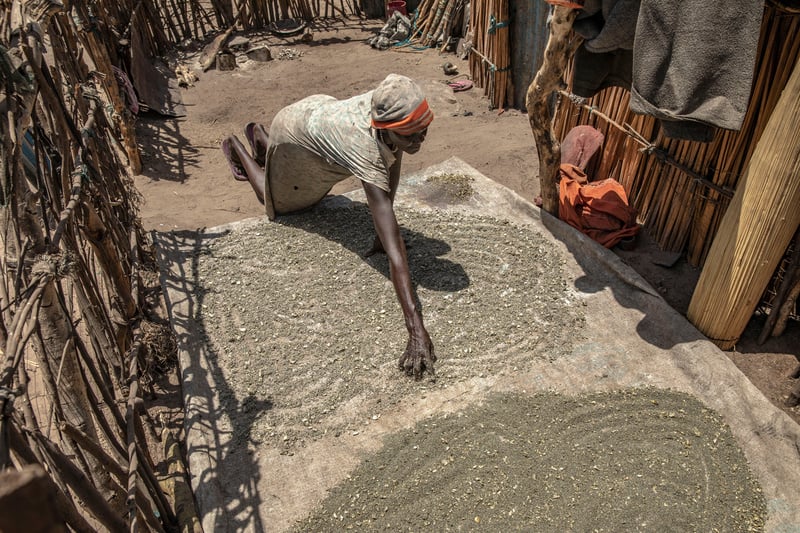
[[756, 229]]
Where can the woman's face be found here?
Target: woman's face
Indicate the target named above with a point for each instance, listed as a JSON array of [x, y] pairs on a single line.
[[407, 143]]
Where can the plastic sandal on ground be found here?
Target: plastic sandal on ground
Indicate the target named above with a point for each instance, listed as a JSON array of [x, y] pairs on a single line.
[[259, 151], [460, 85]]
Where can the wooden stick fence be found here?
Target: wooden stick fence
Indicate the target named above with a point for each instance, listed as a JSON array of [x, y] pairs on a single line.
[[171, 21], [72, 259], [76, 329]]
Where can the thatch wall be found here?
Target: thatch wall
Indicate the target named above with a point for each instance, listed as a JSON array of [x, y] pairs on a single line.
[[682, 188]]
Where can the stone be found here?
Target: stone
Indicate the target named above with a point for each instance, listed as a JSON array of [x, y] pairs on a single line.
[[260, 53], [239, 44]]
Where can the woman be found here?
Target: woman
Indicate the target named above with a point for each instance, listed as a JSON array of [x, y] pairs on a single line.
[[319, 141]]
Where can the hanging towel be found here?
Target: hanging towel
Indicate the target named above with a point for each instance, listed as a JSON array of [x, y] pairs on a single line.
[[607, 25], [693, 64]]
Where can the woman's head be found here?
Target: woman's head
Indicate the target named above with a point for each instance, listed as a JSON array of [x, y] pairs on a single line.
[[400, 108]]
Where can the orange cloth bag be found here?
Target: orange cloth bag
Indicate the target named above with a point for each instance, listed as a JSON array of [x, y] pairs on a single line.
[[598, 209]]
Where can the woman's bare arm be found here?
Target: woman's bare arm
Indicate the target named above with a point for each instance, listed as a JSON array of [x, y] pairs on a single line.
[[419, 354]]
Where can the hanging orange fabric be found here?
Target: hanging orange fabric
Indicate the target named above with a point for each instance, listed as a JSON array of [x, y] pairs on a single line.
[[598, 209]]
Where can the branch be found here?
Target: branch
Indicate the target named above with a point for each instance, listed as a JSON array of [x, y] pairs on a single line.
[[560, 47]]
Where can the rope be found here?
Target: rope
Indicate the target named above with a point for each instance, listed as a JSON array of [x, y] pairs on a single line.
[[648, 148], [492, 66], [494, 25], [407, 41]]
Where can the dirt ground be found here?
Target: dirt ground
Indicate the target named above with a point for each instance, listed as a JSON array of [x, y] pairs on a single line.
[[185, 182]]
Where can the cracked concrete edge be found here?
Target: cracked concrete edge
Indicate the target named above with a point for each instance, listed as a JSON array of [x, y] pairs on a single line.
[[206, 427]]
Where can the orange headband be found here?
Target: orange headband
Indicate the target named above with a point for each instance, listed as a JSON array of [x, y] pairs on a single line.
[[418, 120]]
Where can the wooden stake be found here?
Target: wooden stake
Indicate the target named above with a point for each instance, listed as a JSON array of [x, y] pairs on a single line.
[[560, 47], [790, 279]]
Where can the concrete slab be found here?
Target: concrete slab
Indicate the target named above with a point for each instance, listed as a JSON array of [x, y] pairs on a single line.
[[633, 339]]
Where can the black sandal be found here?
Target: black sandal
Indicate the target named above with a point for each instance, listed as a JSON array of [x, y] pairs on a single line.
[[258, 151]]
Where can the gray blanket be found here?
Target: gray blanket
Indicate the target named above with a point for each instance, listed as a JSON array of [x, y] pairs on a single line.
[[693, 63]]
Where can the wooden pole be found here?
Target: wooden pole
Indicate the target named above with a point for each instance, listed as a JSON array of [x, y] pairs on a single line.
[[100, 56], [792, 271], [561, 45], [756, 228]]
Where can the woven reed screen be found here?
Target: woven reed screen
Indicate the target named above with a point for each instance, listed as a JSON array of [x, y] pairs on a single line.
[[490, 62], [681, 200], [80, 335], [756, 229]]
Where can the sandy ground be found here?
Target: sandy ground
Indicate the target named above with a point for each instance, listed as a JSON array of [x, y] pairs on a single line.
[[186, 181]]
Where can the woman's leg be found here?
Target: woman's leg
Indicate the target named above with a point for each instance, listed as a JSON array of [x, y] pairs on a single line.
[[254, 173], [241, 158], [259, 141]]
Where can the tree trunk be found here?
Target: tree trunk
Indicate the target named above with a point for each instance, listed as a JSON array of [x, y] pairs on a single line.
[[560, 47]]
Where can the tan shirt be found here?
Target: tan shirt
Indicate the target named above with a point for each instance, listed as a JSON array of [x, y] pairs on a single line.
[[319, 141]]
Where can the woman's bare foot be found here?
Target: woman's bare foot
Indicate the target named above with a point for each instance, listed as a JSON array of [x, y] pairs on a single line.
[[258, 138], [234, 162]]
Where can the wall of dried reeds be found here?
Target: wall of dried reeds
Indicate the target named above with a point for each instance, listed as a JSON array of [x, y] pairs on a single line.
[[756, 229], [682, 188], [490, 62]]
